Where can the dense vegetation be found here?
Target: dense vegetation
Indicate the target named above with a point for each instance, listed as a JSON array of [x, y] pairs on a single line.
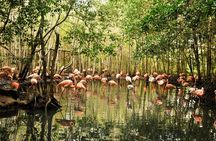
[[145, 35]]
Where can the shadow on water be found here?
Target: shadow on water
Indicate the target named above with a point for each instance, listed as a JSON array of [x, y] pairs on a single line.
[[113, 113]]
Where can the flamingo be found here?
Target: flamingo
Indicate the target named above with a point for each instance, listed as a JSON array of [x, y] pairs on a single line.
[[191, 89], [159, 77], [151, 78], [96, 77], [72, 77], [6, 73], [89, 77], [65, 122], [180, 91], [7, 70], [155, 74], [197, 118], [118, 75], [190, 79], [112, 83], [170, 86], [83, 81], [77, 76], [199, 92], [136, 77], [180, 80], [66, 83], [57, 76], [15, 85], [34, 75], [164, 75], [158, 101], [161, 82], [145, 75], [76, 71], [33, 81], [80, 86], [78, 112], [185, 84], [128, 78], [130, 87], [104, 80]]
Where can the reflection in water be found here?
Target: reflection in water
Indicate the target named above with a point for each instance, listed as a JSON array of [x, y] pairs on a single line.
[[114, 113]]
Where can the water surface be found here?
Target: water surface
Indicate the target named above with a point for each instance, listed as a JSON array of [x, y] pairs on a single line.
[[113, 113]]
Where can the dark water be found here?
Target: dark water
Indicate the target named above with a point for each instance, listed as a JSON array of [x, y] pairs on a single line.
[[113, 113]]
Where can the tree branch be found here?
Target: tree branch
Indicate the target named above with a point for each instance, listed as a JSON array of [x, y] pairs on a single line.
[[57, 24], [4, 47], [53, 29], [7, 20]]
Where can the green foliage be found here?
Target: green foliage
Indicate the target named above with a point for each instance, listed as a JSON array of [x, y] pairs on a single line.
[[91, 31], [134, 11], [110, 50], [160, 16], [162, 22]]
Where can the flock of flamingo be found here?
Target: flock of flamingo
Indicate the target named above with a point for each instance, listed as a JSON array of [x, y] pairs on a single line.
[[79, 80]]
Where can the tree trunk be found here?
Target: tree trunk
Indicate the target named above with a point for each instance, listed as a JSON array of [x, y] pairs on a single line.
[[42, 44], [196, 54], [209, 58], [120, 61], [53, 61], [129, 59], [43, 125], [23, 73]]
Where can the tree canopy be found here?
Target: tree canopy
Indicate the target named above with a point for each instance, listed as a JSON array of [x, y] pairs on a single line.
[[129, 35]]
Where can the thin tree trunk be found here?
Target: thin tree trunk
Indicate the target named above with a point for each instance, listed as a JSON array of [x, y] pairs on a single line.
[[42, 44], [146, 65], [209, 58], [49, 134], [196, 54], [23, 73], [120, 61], [43, 125], [129, 64], [55, 52]]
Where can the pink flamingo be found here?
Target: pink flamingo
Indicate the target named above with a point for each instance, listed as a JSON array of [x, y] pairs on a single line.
[[112, 83], [15, 85]]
